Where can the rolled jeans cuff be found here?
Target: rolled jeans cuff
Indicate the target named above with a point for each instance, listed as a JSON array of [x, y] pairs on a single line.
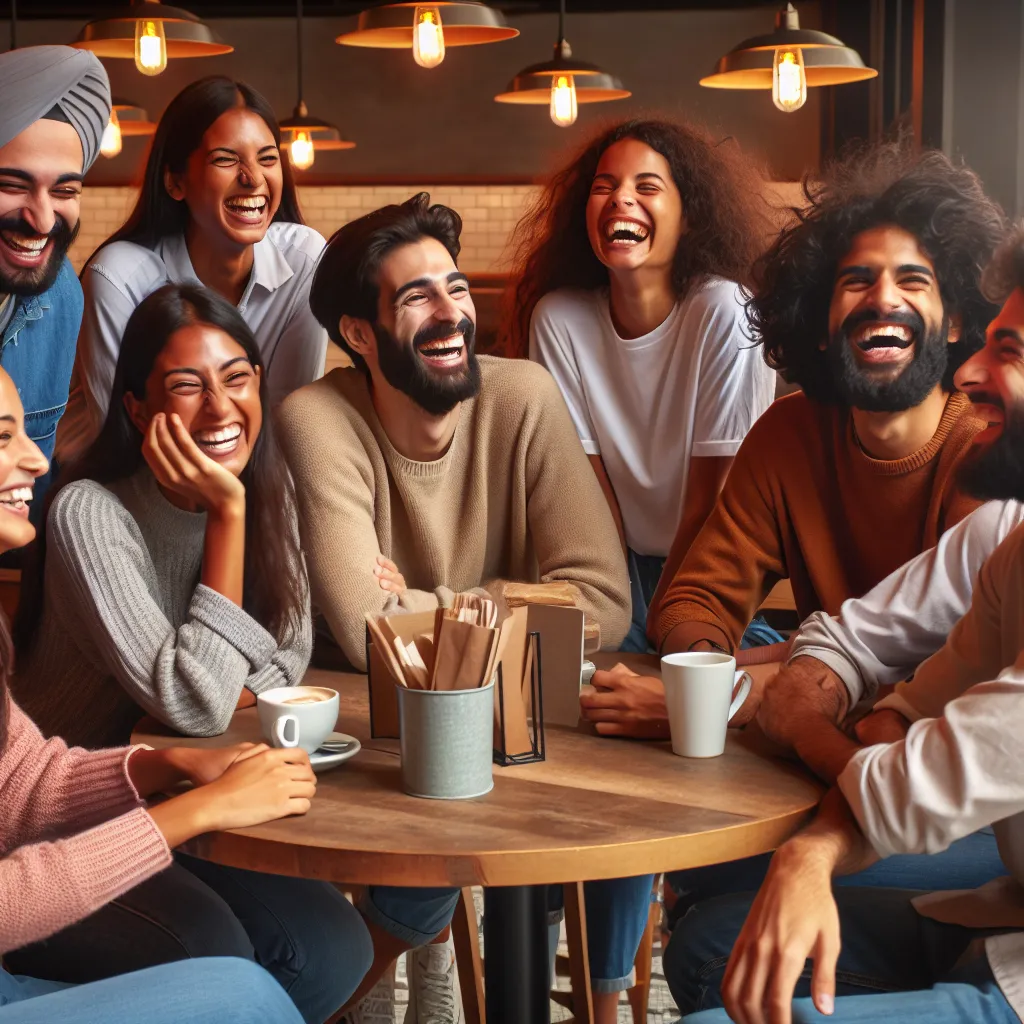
[[413, 915], [600, 985]]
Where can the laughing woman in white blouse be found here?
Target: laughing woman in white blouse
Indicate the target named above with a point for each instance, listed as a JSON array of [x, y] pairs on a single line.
[[218, 207]]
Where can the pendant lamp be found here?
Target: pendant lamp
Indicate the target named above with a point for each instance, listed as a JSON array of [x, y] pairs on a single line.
[[788, 61], [429, 29], [126, 119], [151, 33], [563, 82], [302, 134]]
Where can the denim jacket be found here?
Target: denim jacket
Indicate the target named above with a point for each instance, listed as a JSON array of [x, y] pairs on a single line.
[[39, 353]]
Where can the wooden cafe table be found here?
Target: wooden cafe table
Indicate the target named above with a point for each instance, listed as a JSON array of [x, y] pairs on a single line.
[[595, 808]]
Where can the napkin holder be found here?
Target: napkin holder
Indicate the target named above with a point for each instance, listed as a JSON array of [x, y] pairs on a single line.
[[505, 752], [518, 717]]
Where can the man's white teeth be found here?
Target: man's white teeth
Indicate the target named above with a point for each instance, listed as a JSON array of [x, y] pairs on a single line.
[[872, 332], [30, 243], [443, 347], [626, 231], [217, 438], [16, 496]]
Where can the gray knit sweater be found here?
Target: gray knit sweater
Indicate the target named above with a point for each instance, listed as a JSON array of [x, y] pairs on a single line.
[[127, 629]]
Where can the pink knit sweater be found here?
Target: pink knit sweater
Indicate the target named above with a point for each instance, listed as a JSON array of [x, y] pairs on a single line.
[[73, 833]]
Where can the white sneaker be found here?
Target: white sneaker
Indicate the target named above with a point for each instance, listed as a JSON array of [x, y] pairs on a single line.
[[378, 1005], [434, 996]]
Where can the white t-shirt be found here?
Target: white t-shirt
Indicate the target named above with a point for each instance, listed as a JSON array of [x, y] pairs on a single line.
[[692, 387]]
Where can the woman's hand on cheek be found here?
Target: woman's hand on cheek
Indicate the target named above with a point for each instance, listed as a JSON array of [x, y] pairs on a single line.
[[180, 466]]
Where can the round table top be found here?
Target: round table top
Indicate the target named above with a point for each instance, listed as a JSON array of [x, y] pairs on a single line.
[[595, 808]]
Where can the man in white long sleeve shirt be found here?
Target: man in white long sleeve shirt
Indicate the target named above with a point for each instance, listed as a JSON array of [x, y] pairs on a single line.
[[954, 767]]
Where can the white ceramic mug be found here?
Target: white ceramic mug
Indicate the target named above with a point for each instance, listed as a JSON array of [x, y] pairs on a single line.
[[699, 689], [297, 716]]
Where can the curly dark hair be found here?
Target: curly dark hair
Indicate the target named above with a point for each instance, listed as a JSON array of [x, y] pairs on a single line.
[[1005, 272], [942, 204], [727, 220], [345, 281]]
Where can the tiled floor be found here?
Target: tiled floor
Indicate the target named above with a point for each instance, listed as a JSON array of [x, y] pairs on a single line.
[[660, 1007]]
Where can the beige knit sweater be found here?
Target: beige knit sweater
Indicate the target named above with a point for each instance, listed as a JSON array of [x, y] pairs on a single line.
[[513, 498]]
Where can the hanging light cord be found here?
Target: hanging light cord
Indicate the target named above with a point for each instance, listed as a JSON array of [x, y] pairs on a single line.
[[561, 22], [298, 33], [14, 24]]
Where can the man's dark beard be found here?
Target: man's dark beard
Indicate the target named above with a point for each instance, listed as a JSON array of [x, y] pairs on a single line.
[[858, 389], [995, 471], [436, 392], [35, 281]]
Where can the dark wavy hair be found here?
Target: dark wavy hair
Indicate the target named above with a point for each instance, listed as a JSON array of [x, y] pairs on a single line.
[[275, 576], [940, 203], [345, 280], [727, 220], [178, 135]]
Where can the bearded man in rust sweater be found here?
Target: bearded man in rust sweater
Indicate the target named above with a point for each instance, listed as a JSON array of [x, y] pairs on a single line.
[[870, 302]]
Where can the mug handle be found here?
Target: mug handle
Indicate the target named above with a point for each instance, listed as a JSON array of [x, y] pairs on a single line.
[[744, 681], [280, 731]]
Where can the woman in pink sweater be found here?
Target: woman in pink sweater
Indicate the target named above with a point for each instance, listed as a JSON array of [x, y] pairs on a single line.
[[75, 832]]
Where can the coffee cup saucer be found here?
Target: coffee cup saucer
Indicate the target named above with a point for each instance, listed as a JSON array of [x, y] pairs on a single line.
[[323, 759]]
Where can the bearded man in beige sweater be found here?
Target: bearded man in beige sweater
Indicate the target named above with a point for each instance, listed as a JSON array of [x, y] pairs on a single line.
[[462, 471], [425, 470]]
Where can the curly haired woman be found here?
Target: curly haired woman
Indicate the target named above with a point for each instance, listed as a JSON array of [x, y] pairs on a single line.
[[628, 291]]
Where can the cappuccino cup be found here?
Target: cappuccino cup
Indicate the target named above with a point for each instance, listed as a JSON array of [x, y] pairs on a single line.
[[297, 716]]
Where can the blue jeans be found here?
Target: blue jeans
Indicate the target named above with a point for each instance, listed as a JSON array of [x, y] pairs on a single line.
[[305, 933], [894, 966], [413, 915], [209, 991], [966, 864], [617, 911], [644, 575]]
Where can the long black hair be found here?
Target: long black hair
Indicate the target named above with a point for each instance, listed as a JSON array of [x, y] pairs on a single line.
[[180, 131], [275, 576], [941, 203]]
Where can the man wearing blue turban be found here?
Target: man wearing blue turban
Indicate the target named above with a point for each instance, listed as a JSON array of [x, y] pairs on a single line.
[[56, 103]]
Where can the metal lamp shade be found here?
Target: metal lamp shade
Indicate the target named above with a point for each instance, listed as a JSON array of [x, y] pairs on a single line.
[[533, 84], [132, 119], [324, 135], [465, 23], [186, 34], [827, 61]]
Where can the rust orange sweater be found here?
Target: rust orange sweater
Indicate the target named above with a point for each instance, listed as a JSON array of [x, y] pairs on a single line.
[[804, 501]]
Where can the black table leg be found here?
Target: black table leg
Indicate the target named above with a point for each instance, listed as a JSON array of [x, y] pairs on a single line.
[[516, 966]]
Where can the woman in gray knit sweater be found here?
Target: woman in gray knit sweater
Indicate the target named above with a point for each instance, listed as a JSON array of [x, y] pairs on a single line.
[[170, 581]]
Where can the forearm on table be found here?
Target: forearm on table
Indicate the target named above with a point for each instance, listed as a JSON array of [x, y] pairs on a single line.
[[155, 771]]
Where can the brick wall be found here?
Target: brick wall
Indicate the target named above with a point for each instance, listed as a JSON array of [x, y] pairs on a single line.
[[489, 213]]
